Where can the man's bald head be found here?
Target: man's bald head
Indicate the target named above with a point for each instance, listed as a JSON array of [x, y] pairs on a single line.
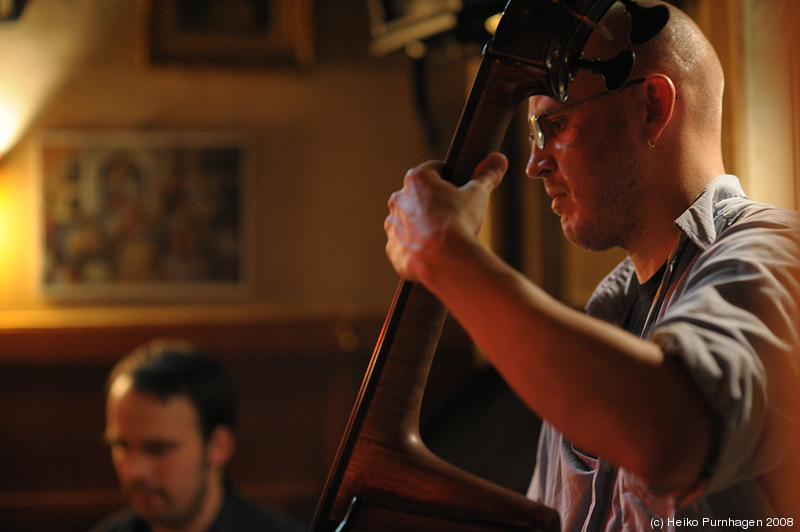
[[680, 51]]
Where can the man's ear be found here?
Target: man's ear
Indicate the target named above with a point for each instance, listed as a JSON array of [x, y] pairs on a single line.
[[221, 445], [661, 96]]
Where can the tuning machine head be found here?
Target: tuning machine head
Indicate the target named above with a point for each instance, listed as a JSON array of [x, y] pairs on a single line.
[[646, 22], [615, 71]]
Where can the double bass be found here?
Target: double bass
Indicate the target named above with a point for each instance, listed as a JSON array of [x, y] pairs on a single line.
[[384, 478]]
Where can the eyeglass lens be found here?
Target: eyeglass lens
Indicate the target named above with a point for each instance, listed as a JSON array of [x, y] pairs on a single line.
[[537, 133]]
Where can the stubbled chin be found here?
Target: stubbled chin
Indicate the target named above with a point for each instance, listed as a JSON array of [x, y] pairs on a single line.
[[146, 502], [566, 215], [569, 226]]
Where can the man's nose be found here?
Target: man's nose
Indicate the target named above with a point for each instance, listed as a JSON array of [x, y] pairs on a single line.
[[133, 466], [540, 163]]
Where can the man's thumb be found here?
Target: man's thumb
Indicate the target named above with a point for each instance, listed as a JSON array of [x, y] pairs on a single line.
[[491, 170]]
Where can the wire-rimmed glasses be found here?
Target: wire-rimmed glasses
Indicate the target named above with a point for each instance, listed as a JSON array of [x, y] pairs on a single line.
[[537, 131]]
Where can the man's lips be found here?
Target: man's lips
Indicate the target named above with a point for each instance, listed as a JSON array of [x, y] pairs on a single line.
[[558, 196], [145, 494]]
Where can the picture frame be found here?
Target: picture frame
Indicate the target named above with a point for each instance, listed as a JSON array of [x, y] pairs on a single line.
[[146, 215], [227, 33]]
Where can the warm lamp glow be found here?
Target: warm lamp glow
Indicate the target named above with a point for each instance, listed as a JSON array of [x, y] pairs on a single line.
[[11, 123], [15, 212], [22, 96], [10, 235], [48, 42]]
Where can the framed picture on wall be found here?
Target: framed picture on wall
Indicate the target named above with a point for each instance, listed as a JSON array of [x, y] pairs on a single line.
[[146, 215], [229, 33]]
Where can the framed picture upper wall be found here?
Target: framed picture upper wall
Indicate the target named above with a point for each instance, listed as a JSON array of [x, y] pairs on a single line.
[[227, 33], [145, 215]]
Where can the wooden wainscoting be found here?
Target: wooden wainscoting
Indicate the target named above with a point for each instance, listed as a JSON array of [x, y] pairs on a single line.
[[297, 380]]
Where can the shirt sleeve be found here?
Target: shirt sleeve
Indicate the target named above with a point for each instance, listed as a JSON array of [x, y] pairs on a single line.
[[733, 322]]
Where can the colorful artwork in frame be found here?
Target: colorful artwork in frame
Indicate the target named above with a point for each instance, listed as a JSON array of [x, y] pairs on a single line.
[[146, 215]]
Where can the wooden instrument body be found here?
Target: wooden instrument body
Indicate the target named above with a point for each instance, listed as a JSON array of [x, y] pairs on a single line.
[[384, 477]]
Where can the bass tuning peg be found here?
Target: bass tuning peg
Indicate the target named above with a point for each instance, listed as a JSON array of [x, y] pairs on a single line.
[[646, 22], [616, 71]]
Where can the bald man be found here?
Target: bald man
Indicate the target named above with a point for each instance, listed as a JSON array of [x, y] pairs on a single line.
[[672, 400]]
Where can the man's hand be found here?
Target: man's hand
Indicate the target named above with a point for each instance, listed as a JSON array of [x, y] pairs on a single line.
[[428, 213]]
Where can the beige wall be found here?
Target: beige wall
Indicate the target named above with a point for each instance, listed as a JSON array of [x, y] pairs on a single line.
[[770, 138], [761, 56], [332, 141]]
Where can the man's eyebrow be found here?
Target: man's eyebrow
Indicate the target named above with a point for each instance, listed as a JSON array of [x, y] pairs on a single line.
[[154, 444], [112, 440]]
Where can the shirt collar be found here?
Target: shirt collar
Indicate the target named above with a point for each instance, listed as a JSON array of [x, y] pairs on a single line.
[[698, 221], [613, 295]]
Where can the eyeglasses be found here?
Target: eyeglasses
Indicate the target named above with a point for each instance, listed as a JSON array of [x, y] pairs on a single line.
[[537, 131]]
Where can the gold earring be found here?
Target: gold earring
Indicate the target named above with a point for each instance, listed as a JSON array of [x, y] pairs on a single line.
[[651, 143]]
